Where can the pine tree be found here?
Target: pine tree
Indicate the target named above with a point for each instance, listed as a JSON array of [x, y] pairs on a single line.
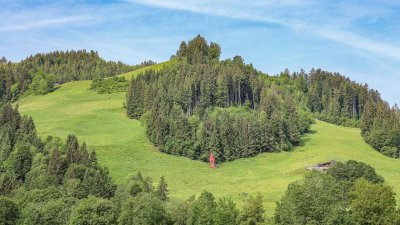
[[5, 144], [162, 189], [72, 149], [182, 51]]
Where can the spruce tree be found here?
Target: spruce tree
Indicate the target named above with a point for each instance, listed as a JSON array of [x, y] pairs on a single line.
[[72, 149], [162, 189]]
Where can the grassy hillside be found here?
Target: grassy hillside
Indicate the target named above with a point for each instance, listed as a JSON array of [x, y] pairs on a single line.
[[159, 66], [122, 145]]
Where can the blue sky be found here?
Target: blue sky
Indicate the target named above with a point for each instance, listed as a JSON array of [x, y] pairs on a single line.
[[359, 39]]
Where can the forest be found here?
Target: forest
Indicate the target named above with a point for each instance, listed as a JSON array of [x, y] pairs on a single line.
[[201, 104], [43, 72]]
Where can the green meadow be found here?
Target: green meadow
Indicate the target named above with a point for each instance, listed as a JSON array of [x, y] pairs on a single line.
[[121, 145]]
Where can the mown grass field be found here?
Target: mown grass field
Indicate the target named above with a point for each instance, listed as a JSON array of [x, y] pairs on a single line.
[[122, 146]]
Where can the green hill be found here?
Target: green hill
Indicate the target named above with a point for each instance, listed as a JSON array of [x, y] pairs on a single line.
[[121, 144]]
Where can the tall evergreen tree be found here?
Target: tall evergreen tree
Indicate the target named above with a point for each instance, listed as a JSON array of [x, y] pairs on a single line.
[[162, 189]]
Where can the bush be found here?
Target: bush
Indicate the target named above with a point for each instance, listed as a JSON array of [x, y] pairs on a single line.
[[353, 170], [392, 152], [108, 86]]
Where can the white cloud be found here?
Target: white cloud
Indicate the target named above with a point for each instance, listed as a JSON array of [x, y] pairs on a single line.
[[303, 16], [359, 42], [43, 23]]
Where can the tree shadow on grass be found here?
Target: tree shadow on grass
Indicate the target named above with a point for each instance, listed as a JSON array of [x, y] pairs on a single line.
[[304, 139]]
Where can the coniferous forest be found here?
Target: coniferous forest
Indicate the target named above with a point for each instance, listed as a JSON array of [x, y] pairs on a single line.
[[41, 73], [201, 104]]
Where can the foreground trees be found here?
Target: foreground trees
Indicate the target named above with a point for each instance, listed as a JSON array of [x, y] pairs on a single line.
[[372, 204], [360, 197], [94, 211], [318, 199]]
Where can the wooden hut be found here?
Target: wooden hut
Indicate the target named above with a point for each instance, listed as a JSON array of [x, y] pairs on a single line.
[[321, 166]]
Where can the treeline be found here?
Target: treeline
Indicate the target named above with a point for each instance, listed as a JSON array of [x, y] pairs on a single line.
[[74, 65], [349, 193], [329, 96], [380, 127], [200, 105], [39, 74], [334, 98], [54, 182]]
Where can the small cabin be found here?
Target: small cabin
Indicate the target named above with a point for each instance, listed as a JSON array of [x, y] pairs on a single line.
[[321, 166]]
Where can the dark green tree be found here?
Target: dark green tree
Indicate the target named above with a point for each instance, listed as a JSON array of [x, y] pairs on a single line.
[[9, 211], [353, 170], [19, 162], [162, 189]]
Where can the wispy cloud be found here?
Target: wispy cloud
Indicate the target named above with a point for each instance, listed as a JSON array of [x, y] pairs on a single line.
[[354, 40], [294, 14], [44, 23], [224, 8]]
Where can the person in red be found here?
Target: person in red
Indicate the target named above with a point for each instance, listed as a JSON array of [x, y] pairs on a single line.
[[212, 160]]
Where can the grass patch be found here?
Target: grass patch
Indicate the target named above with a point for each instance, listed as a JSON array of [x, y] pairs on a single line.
[[156, 67]]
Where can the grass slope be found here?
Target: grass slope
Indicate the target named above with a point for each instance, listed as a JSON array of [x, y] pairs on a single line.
[[156, 67], [121, 145]]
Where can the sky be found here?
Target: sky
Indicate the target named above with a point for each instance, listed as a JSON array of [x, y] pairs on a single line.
[[359, 39]]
